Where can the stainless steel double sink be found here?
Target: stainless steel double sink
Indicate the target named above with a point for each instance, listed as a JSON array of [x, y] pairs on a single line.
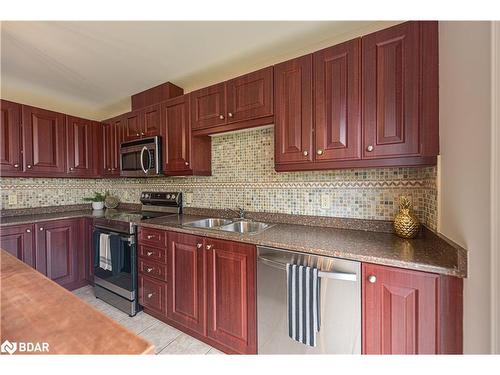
[[241, 226]]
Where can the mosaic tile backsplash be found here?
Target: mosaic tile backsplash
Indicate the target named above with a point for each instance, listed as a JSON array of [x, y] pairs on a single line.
[[243, 175]]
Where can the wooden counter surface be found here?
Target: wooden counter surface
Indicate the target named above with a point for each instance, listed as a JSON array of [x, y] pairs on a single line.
[[35, 309]]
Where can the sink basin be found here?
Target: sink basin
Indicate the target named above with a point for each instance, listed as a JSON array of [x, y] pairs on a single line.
[[208, 223], [245, 226]]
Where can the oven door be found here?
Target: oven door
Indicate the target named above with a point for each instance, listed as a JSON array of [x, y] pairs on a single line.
[[115, 267], [140, 158]]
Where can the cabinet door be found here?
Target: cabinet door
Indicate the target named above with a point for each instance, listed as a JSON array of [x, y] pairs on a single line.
[[18, 241], [111, 147], [391, 87], [176, 135], [132, 125], [250, 96], [185, 303], [10, 138], [44, 142], [208, 107], [400, 311], [231, 300], [293, 110], [80, 141], [57, 248], [337, 101], [152, 121]]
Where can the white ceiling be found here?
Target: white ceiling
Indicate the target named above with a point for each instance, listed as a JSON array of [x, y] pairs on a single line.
[[90, 68]]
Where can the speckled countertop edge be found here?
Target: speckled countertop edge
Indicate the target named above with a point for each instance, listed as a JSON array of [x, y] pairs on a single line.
[[365, 246]]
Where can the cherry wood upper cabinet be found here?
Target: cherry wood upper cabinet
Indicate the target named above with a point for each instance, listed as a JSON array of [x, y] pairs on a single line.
[[293, 100], [394, 83], [337, 112], [410, 312], [10, 139], [186, 296], [57, 249], [81, 155], [250, 96], [111, 139], [231, 298], [132, 125], [182, 153], [151, 121], [208, 106], [18, 240], [44, 142]]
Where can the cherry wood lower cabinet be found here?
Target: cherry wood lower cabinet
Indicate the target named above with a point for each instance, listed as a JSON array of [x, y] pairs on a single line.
[[410, 312], [18, 240], [209, 287]]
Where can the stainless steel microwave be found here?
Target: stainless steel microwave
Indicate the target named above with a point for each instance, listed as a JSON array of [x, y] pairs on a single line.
[[141, 158]]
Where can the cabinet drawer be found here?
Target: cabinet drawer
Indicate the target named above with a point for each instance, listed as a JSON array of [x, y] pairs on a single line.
[[154, 237], [152, 294], [151, 253], [153, 269]]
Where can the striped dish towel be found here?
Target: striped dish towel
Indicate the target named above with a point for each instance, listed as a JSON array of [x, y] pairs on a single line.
[[104, 252], [303, 284]]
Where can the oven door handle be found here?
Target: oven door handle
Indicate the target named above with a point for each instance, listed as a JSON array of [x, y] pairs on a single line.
[[142, 159]]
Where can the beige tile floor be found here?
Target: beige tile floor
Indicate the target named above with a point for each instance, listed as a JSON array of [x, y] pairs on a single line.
[[166, 339]]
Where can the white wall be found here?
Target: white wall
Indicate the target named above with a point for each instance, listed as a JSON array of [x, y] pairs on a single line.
[[465, 142]]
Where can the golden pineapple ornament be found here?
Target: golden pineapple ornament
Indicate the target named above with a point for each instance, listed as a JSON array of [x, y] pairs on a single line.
[[406, 224]]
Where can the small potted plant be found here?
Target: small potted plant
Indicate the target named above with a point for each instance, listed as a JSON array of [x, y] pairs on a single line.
[[97, 200]]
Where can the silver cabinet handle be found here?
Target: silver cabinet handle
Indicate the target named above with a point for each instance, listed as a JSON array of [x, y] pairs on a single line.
[[29, 166], [209, 247], [319, 152], [149, 269], [305, 153], [40, 229], [16, 165], [221, 117], [325, 274], [229, 115], [372, 279], [149, 253], [369, 148], [150, 295], [199, 245], [28, 230]]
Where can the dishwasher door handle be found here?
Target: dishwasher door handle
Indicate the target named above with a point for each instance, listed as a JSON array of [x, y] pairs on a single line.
[[328, 275]]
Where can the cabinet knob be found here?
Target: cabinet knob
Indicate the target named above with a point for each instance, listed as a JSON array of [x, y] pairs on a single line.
[[305, 153], [28, 230], [16, 165], [72, 169], [113, 169], [369, 148], [229, 115], [319, 152], [372, 279], [221, 117], [142, 133], [149, 236], [149, 269], [187, 163], [209, 247], [109, 169], [40, 229], [28, 166], [199, 245], [150, 295], [137, 134], [149, 253]]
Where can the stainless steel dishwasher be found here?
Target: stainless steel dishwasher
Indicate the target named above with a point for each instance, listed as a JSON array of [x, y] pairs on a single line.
[[340, 303]]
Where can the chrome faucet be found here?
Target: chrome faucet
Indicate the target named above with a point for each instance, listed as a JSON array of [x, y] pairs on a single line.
[[239, 211]]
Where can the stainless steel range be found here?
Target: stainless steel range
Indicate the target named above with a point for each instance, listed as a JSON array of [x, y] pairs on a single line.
[[115, 248]]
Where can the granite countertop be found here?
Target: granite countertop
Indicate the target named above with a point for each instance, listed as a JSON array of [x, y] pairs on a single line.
[[429, 252], [36, 309]]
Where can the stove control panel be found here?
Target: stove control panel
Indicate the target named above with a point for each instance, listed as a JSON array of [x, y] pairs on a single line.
[[172, 199]]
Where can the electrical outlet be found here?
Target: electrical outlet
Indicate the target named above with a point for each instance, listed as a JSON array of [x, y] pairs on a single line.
[[12, 199], [189, 198], [326, 201]]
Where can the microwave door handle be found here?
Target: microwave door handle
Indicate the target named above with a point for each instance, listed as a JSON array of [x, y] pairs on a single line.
[[142, 158]]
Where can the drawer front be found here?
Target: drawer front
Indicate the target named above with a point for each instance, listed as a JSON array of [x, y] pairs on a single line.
[[152, 253], [153, 237], [152, 294], [153, 269]]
